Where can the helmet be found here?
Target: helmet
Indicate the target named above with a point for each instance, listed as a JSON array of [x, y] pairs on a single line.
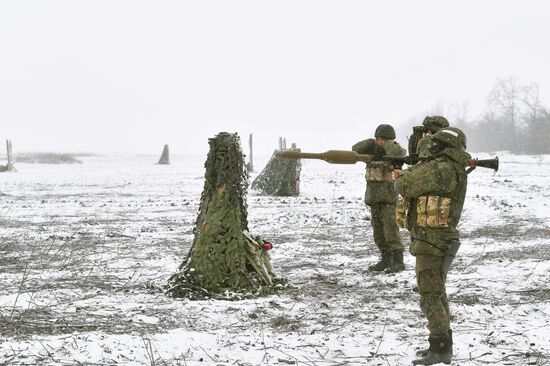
[[434, 123], [385, 131], [451, 136]]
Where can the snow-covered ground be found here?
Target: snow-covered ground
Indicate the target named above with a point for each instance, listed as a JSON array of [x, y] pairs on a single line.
[[85, 250]]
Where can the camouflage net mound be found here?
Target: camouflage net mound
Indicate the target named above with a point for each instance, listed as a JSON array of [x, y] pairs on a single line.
[[280, 177], [224, 262], [165, 156]]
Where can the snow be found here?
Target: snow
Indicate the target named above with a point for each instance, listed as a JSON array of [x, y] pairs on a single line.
[[85, 250]]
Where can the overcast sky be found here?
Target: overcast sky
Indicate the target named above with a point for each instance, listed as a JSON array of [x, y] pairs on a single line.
[[130, 76]]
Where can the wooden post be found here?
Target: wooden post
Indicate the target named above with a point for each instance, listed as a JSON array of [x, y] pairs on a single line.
[[250, 165], [9, 167]]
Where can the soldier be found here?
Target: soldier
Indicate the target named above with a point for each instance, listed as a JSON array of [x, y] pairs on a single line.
[[437, 189], [381, 198], [419, 144], [432, 125]]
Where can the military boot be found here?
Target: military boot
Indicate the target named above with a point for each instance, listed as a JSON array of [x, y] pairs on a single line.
[[424, 352], [440, 351], [385, 262], [397, 263]]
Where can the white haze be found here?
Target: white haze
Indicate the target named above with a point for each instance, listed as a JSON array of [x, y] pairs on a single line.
[[130, 76]]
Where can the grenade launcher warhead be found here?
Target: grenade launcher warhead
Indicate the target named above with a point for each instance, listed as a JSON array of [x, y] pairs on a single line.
[[351, 157]]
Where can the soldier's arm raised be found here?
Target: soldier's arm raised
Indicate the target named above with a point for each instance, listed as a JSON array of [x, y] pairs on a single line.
[[364, 147], [392, 148]]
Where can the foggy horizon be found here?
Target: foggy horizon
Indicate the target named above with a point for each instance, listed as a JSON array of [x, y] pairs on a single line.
[[131, 76]]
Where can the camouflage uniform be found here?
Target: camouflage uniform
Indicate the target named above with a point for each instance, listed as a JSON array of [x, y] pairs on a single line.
[[424, 145], [381, 197], [436, 189], [433, 123]]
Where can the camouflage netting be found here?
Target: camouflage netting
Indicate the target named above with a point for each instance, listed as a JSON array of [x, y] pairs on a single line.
[[224, 260], [280, 177]]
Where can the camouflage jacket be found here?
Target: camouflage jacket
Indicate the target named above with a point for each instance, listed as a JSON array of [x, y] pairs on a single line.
[[438, 188], [378, 174], [424, 145]]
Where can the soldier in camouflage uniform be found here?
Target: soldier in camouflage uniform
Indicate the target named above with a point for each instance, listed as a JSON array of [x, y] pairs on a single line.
[[437, 189], [420, 143], [381, 198], [433, 124]]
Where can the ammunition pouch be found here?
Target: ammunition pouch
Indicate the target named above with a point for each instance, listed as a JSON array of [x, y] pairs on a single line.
[[433, 211], [450, 256], [379, 171]]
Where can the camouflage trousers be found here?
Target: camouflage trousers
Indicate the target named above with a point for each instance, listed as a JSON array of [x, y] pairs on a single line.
[[433, 296], [385, 229]]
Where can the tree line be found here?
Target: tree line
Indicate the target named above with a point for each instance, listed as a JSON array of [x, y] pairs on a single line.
[[514, 119]]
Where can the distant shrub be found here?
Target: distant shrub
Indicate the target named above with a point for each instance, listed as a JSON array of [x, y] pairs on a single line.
[[47, 158]]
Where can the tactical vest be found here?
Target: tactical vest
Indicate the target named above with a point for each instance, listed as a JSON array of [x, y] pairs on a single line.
[[379, 171], [440, 210], [379, 184]]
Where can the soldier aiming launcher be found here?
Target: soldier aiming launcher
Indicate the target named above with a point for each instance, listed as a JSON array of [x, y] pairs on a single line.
[[351, 157]]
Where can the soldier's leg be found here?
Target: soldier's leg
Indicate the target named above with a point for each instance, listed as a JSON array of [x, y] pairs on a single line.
[[424, 352], [379, 238], [445, 300], [433, 297], [434, 306], [376, 220], [392, 238]]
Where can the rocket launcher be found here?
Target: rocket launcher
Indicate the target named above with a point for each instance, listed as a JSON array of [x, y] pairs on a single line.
[[351, 157]]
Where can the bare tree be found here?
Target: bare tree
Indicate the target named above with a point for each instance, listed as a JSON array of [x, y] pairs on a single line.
[[531, 103], [514, 119], [459, 112], [503, 105], [505, 97]]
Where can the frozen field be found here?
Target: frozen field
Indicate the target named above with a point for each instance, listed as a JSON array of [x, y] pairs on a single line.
[[85, 250]]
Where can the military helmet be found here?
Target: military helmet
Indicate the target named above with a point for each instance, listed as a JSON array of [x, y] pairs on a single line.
[[451, 136], [434, 123], [385, 131]]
